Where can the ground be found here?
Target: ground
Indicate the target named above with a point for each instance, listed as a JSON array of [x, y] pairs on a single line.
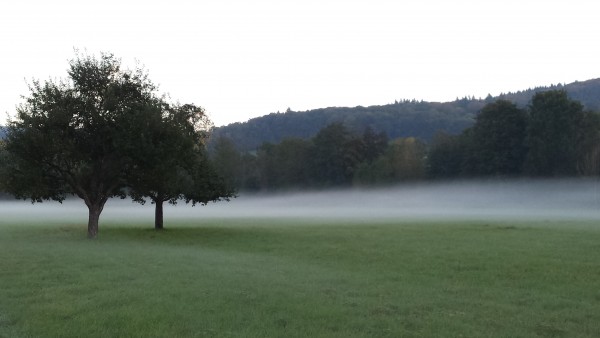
[[294, 277]]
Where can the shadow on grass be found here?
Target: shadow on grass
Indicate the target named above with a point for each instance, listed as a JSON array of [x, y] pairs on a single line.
[[250, 236], [264, 233]]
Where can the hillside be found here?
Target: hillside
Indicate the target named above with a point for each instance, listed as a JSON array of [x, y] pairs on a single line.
[[586, 92], [400, 119]]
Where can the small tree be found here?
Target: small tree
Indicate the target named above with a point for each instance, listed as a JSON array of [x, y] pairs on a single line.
[[69, 136], [169, 159]]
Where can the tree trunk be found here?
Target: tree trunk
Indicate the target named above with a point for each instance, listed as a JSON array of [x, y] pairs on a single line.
[[158, 214], [94, 216]]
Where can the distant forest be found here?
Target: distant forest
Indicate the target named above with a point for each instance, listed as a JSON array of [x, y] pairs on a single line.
[[401, 119], [553, 135]]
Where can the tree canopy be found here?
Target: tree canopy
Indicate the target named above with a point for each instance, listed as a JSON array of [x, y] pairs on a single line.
[[553, 136], [554, 125], [170, 161], [497, 144], [95, 135], [401, 119]]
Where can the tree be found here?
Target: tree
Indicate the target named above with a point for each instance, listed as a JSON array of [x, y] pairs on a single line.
[[446, 155], [374, 144], [377, 172], [169, 159], [334, 156], [407, 158], [284, 165], [103, 132], [497, 144], [68, 136], [554, 123], [227, 161], [588, 139]]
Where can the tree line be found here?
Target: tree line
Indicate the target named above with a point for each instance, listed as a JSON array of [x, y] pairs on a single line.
[[400, 119], [554, 136], [405, 118]]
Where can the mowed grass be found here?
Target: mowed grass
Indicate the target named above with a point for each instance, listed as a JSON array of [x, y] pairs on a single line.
[[285, 278]]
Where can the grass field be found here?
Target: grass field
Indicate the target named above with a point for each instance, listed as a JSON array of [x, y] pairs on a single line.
[[285, 278]]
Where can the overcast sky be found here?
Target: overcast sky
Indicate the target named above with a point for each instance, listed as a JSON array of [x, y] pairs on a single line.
[[242, 59]]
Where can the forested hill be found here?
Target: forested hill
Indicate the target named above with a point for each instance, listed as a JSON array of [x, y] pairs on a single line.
[[586, 92], [400, 119]]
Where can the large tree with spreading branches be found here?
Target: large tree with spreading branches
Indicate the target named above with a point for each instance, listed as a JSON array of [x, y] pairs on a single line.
[[82, 136]]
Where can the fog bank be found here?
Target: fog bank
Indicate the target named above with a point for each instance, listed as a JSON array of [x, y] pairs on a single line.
[[517, 199]]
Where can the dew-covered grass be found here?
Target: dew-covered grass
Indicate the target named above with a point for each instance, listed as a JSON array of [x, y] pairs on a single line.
[[295, 278]]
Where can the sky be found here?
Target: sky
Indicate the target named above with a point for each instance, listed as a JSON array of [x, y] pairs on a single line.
[[243, 59]]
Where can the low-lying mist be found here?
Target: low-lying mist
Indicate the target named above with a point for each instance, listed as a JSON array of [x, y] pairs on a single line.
[[515, 199]]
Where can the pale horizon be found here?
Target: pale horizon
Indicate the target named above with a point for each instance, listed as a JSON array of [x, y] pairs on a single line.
[[241, 60]]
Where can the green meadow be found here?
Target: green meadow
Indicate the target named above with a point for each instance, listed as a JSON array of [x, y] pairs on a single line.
[[294, 278]]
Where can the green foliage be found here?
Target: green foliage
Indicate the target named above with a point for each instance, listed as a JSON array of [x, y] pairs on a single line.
[[69, 136], [373, 144], [283, 166], [497, 141], [588, 139], [403, 160], [405, 118], [586, 92], [330, 159], [104, 132], [170, 161], [408, 159], [446, 156], [335, 155], [378, 172], [228, 162], [552, 138]]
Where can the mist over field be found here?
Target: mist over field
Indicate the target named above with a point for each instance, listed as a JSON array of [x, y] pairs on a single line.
[[516, 199], [572, 199]]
